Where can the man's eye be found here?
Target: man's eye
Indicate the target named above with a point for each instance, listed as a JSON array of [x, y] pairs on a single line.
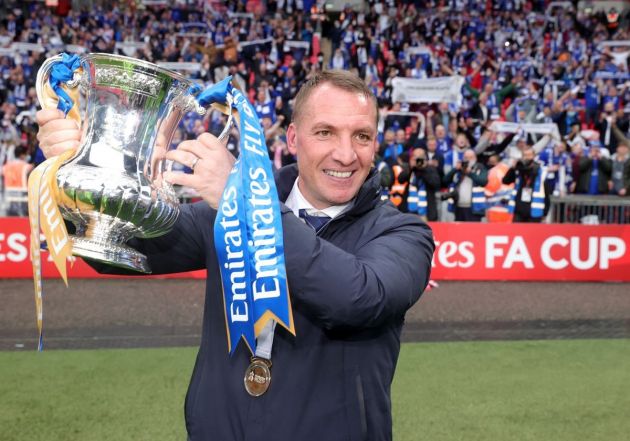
[[364, 137], [323, 133]]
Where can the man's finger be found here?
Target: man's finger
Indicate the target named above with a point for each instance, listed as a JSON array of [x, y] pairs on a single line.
[[193, 147], [210, 141], [59, 136], [46, 115], [58, 149], [183, 157], [179, 178]]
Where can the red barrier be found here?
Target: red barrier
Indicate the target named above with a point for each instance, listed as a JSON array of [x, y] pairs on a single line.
[[465, 251], [473, 251], [15, 262]]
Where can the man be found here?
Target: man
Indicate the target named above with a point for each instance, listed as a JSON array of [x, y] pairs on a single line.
[[15, 173], [594, 173], [351, 282], [424, 182], [434, 158], [529, 200], [621, 171], [390, 149], [466, 196], [557, 162]]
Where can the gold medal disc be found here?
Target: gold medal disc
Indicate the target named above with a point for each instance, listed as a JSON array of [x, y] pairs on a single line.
[[257, 377]]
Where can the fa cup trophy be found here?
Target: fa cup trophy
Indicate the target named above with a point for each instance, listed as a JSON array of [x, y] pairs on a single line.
[[112, 188]]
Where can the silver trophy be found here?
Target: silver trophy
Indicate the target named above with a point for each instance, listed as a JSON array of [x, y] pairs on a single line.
[[112, 189]]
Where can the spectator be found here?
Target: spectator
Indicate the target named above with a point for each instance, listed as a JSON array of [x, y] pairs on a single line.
[[389, 149], [435, 158], [595, 172], [621, 171], [558, 163]]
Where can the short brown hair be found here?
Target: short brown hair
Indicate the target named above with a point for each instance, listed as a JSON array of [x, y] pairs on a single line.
[[341, 79]]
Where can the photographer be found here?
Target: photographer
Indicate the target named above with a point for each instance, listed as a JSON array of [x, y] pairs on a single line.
[[424, 182], [466, 197], [529, 201]]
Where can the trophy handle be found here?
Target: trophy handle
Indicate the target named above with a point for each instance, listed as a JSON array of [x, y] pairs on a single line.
[[48, 98], [215, 97], [225, 133]]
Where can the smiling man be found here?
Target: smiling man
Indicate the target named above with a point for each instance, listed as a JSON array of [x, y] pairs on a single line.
[[354, 263]]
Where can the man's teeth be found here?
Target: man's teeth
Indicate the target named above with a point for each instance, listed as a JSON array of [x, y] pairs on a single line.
[[337, 174]]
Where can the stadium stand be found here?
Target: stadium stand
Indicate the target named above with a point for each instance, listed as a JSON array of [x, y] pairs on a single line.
[[540, 74]]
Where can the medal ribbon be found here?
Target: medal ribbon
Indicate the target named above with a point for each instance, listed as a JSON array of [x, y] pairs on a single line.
[[248, 231], [43, 211], [43, 193]]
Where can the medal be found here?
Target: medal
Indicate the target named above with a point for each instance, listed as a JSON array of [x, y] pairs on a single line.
[[257, 376]]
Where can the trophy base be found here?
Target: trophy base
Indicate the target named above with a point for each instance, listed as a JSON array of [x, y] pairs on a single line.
[[117, 255]]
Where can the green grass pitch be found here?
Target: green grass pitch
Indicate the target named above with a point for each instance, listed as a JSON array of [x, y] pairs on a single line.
[[527, 390]]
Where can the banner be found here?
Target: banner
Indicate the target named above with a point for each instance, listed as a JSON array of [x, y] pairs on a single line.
[[464, 251], [531, 252], [429, 90], [538, 129]]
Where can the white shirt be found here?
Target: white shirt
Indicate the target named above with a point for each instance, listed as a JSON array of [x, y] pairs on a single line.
[[296, 202]]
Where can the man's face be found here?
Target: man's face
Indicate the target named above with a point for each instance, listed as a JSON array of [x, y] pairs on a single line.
[[470, 156], [335, 143], [528, 155], [440, 131], [400, 136], [389, 136], [461, 141]]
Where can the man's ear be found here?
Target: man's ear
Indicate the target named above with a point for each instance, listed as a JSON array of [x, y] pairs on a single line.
[[292, 139]]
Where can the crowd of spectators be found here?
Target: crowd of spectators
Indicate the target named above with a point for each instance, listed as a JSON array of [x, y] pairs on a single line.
[[525, 62]]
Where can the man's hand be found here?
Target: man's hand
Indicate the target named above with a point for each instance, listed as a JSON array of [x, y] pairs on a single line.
[[56, 132], [211, 163]]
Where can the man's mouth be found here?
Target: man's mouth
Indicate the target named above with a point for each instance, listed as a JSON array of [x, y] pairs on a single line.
[[338, 174]]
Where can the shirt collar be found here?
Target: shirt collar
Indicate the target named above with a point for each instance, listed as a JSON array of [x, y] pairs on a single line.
[[296, 202]]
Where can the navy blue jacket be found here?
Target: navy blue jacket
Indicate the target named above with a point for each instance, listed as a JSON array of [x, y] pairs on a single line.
[[350, 286]]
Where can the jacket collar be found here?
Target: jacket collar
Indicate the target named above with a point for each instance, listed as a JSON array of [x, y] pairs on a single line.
[[366, 199]]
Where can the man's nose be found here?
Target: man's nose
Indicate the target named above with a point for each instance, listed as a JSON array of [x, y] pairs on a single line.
[[344, 152]]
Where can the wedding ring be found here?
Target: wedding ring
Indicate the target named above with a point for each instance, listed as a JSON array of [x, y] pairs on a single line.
[[195, 161]]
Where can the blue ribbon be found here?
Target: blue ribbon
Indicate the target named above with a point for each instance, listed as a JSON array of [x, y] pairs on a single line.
[[62, 72], [248, 231]]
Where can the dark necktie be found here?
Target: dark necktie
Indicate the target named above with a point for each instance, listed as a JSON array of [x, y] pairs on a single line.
[[317, 222]]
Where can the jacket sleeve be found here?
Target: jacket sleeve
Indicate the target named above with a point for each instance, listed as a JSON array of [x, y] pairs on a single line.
[[510, 176], [180, 250], [431, 178], [378, 281]]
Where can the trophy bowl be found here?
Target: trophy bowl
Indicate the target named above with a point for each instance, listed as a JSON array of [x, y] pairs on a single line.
[[112, 188]]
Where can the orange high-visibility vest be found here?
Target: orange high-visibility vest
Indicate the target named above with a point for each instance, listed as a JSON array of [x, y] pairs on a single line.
[[397, 192], [16, 175]]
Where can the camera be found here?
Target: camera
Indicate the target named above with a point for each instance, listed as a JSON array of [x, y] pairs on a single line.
[[449, 195], [419, 162], [465, 165]]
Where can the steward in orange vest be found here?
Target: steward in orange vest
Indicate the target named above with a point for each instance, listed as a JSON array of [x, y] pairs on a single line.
[[15, 174]]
